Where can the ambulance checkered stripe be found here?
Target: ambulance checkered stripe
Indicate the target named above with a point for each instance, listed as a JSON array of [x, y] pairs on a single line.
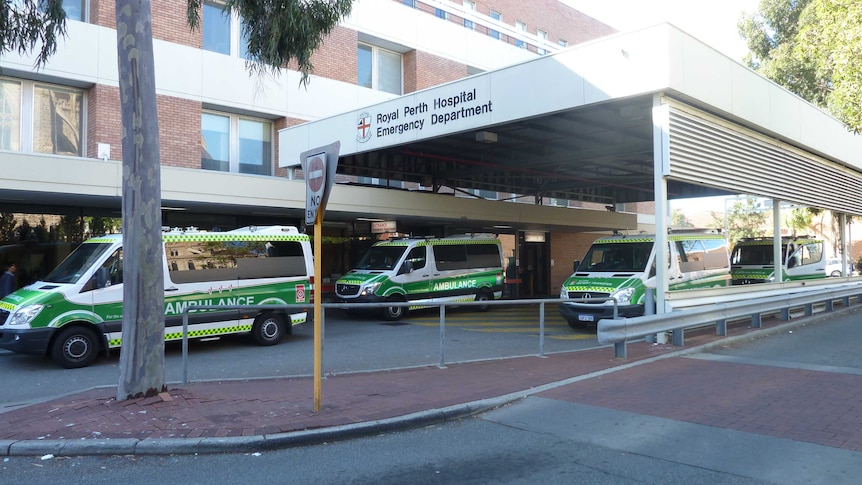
[[590, 289], [670, 237], [207, 332], [204, 237], [769, 242], [440, 242]]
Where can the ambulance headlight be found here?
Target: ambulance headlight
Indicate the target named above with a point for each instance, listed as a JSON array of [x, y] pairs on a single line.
[[369, 289], [24, 315], [564, 293], [624, 295]]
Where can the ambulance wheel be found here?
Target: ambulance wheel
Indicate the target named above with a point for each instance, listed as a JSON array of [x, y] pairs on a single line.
[[268, 329], [75, 347], [393, 313], [483, 296]]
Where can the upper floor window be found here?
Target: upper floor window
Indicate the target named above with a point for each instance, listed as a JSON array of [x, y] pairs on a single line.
[[409, 3], [378, 68], [522, 27], [233, 143], [563, 43], [472, 7], [42, 118], [440, 13], [75, 9], [222, 32], [499, 17]]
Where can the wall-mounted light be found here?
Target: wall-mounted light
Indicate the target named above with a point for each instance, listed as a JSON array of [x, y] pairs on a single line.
[[486, 137]]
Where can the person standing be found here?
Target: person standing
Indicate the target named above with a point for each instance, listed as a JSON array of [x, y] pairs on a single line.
[[7, 280]]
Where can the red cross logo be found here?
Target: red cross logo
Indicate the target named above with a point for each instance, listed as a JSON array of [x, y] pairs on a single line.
[[363, 128]]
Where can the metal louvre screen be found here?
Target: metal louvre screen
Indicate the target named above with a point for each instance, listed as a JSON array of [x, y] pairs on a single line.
[[705, 152]]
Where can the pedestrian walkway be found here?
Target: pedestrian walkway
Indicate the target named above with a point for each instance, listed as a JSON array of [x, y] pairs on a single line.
[[804, 402]]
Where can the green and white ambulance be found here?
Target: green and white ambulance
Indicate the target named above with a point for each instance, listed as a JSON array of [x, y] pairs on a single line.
[[450, 269], [76, 311], [623, 268], [752, 259]]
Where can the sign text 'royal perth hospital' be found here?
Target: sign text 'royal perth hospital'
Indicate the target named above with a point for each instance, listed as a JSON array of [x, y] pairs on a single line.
[[419, 115]]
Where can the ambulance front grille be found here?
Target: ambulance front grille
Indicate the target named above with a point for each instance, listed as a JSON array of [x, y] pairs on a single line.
[[342, 289]]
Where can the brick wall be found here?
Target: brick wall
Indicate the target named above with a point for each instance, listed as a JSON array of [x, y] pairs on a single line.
[[555, 18], [567, 247], [179, 127], [336, 57], [104, 124], [429, 70], [180, 132], [169, 20]]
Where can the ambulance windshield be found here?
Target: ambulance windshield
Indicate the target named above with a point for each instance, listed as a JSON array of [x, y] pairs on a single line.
[[616, 257], [77, 263], [381, 258]]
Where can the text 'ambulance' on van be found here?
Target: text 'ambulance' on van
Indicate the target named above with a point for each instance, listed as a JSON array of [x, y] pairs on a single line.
[[421, 271], [622, 269], [75, 312]]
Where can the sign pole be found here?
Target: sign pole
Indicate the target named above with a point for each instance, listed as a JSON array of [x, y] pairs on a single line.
[[318, 310], [319, 165]]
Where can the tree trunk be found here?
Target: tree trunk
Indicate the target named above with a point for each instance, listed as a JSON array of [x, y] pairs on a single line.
[[142, 357]]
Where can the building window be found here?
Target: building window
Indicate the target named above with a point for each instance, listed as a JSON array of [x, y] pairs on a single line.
[[10, 115], [498, 17], [522, 27], [232, 143], [75, 9], [471, 6], [409, 3], [222, 32], [41, 118], [544, 36], [57, 120], [440, 13], [216, 28], [563, 43], [378, 69]]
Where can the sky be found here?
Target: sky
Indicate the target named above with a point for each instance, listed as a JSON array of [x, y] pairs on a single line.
[[713, 22]]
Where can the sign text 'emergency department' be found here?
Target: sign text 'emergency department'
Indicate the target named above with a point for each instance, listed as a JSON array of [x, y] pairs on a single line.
[[415, 117]]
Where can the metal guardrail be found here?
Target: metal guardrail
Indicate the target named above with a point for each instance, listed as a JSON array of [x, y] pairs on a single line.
[[298, 308], [622, 330]]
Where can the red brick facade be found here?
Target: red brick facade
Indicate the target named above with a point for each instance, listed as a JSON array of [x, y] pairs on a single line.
[[180, 132], [336, 57]]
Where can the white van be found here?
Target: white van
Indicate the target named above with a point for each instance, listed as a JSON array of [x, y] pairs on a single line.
[[802, 258], [623, 268], [76, 311], [450, 269]]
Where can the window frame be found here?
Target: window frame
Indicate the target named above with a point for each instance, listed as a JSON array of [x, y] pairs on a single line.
[[234, 163], [375, 67], [236, 44], [27, 130]]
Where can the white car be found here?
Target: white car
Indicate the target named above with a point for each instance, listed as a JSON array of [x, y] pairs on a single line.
[[833, 267]]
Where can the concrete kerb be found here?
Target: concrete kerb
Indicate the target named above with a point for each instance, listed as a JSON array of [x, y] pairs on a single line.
[[244, 444]]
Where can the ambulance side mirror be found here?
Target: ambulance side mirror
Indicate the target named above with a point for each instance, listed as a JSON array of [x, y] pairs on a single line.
[[575, 265], [407, 267]]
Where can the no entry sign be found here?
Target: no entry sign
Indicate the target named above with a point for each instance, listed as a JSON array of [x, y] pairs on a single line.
[[316, 172], [319, 166]]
